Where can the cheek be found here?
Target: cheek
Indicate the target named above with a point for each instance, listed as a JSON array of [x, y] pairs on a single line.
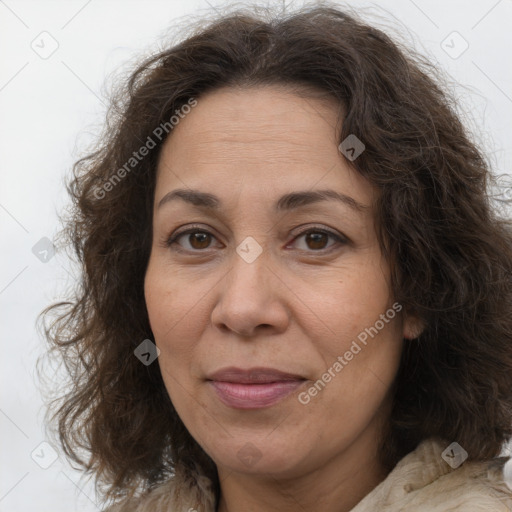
[[352, 299], [365, 331], [368, 338], [178, 315], [173, 336], [169, 301]]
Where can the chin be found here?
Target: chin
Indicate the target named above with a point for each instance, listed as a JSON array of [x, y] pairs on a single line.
[[258, 456]]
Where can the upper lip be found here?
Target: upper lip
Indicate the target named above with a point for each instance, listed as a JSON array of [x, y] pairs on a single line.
[[256, 375]]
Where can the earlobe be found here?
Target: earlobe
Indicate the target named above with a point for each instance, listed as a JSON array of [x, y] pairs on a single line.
[[413, 327]]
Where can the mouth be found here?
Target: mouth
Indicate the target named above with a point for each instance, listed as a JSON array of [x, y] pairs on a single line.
[[253, 388]]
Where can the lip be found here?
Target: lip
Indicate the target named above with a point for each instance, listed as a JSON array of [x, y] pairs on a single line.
[[256, 375], [253, 388]]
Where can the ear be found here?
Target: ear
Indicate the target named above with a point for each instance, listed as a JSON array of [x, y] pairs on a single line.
[[413, 326]]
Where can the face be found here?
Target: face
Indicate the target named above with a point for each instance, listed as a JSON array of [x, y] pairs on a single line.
[[257, 297]]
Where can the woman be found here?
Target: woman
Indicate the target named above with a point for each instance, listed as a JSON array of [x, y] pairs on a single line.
[[295, 291]]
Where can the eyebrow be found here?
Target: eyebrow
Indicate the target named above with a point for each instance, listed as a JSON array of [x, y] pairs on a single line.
[[287, 202]]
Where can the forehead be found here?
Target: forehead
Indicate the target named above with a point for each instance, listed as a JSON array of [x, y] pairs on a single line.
[[264, 139]]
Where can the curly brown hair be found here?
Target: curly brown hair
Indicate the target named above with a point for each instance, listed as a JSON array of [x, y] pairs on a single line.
[[449, 252]]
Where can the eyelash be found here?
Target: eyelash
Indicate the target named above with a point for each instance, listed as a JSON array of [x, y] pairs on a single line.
[[171, 240]]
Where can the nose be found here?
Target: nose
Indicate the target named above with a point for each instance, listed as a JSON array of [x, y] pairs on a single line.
[[251, 300]]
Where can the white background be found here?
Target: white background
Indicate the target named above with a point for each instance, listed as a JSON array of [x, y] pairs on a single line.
[[50, 108]]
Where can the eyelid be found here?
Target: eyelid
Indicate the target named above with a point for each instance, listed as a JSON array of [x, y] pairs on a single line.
[[171, 239], [337, 236], [301, 230], [340, 238]]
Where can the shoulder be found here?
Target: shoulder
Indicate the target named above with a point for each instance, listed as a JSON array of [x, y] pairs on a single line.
[[424, 481]]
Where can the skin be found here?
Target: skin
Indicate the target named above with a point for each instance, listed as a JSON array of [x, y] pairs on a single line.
[[296, 307]]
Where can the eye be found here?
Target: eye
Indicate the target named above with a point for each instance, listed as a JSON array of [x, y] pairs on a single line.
[[194, 239], [197, 239], [316, 239]]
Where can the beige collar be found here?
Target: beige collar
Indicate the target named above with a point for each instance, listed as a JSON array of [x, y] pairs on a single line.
[[421, 482]]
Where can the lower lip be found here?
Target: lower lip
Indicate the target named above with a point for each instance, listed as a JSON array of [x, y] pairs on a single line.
[[254, 396]]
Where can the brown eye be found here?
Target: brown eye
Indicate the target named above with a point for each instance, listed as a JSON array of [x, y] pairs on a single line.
[[316, 240], [191, 240], [199, 240]]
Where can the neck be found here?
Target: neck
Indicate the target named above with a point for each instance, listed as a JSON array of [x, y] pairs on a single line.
[[337, 486]]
